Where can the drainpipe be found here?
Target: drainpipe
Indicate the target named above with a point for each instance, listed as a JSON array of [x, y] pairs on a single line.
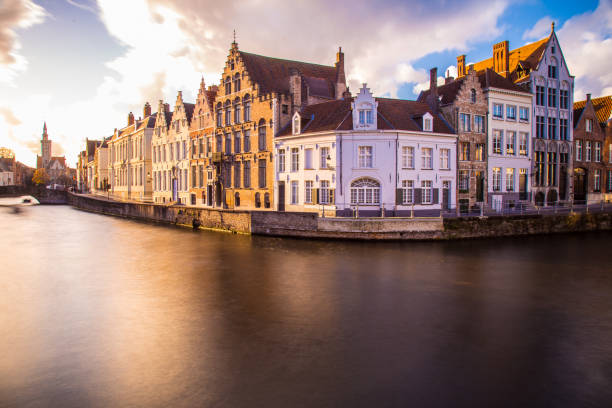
[[396, 174]]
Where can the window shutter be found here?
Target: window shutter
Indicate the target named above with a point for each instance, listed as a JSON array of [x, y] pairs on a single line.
[[417, 196], [332, 196], [399, 196], [315, 194], [435, 196]]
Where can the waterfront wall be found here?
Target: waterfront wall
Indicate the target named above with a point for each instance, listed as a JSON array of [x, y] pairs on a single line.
[[310, 225], [42, 194]]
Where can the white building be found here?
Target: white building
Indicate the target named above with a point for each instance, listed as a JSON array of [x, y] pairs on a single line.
[[509, 140], [171, 153], [366, 156]]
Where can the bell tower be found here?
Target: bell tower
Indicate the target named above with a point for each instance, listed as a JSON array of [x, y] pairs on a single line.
[[45, 147]]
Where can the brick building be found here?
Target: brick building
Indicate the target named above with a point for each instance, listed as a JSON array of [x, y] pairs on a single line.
[[593, 150]]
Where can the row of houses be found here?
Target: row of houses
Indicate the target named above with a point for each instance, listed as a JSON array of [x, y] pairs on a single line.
[[286, 135]]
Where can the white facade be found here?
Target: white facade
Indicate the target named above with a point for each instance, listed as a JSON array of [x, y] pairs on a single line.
[[367, 171], [7, 178], [509, 147]]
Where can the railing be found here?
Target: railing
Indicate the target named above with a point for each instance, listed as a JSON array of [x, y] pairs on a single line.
[[521, 208]]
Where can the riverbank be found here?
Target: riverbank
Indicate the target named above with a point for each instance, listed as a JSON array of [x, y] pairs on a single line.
[[310, 225]]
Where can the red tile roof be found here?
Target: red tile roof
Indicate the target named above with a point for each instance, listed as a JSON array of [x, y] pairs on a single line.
[[602, 106], [272, 74]]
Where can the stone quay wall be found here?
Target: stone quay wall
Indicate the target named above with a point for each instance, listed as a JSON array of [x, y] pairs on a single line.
[[310, 225]]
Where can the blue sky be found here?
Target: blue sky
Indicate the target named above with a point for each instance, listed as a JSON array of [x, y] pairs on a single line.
[[82, 65]]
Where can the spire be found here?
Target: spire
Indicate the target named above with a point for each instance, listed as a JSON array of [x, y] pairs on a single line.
[[202, 85], [552, 27], [234, 43], [44, 135]]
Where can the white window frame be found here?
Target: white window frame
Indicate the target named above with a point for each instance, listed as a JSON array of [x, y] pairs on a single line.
[[408, 157], [365, 157], [427, 158]]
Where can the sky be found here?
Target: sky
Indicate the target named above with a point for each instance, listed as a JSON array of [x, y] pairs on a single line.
[[83, 65]]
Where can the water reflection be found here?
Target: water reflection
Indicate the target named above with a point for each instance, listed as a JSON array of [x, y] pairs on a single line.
[[99, 311]]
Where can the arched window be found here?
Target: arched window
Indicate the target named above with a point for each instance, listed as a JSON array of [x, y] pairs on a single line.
[[237, 200], [228, 85], [247, 107], [473, 96], [237, 110], [261, 134], [365, 191], [257, 200], [237, 82], [267, 200], [228, 113], [219, 114]]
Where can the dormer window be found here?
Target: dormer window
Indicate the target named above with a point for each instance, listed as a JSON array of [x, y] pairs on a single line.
[[428, 122], [364, 110], [296, 124], [366, 117]]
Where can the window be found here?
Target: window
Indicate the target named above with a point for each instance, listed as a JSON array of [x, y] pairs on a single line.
[[201, 175], [408, 157], [247, 140], [480, 148], [324, 192], [540, 101], [509, 179], [589, 125], [308, 159], [228, 86], [247, 109], [281, 161], [294, 192], [193, 176], [407, 191], [237, 111], [285, 109], [444, 159], [497, 142], [479, 126], [201, 143], [369, 117], [465, 122], [227, 173], [237, 144], [464, 153], [361, 117], [578, 150], [262, 173], [540, 127], [228, 113], [296, 125], [609, 188], [237, 175], [563, 129], [523, 114], [324, 157], [427, 124], [597, 152], [510, 140], [552, 71], [552, 97], [496, 179], [552, 169], [228, 143], [219, 140], [219, 115], [247, 174], [588, 150], [427, 158], [498, 111], [365, 191], [464, 181], [236, 81], [295, 159], [597, 180], [261, 135], [365, 156], [473, 95], [523, 143], [308, 191], [563, 99], [426, 192], [511, 112]]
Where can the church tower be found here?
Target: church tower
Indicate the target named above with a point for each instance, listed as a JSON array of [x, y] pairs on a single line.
[[45, 147]]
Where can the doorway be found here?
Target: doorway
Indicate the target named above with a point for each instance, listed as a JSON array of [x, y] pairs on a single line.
[[281, 196]]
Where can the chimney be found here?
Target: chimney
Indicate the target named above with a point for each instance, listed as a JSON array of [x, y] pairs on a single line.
[[461, 66], [147, 110], [501, 58], [448, 80], [433, 89], [340, 76], [295, 88], [130, 119], [588, 97]]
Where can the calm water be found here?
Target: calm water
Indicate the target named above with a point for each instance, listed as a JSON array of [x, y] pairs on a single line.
[[103, 312]]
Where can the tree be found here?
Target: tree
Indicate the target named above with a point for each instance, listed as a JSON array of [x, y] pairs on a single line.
[[40, 177]]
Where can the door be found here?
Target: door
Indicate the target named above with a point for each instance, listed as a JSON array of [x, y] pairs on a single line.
[[446, 195], [209, 196], [479, 186], [523, 186], [580, 185], [281, 196]]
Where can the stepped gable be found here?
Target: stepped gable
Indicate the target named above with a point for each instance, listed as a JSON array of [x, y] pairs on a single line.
[[392, 114], [602, 106], [272, 74]]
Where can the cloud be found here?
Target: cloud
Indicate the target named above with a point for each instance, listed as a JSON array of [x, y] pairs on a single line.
[[540, 30], [15, 14], [83, 6], [9, 117], [586, 41]]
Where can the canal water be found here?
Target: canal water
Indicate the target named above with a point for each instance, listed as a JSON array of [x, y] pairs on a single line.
[[98, 311]]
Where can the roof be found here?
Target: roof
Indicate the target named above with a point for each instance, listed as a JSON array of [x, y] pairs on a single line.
[[528, 56], [392, 114], [602, 106], [272, 74], [189, 108], [488, 78]]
